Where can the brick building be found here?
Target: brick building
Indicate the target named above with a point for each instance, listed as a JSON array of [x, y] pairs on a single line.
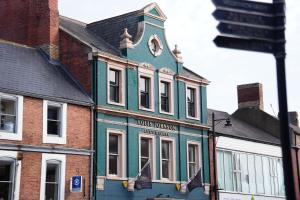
[[45, 114]]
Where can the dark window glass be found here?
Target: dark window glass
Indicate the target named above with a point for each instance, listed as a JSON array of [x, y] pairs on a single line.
[[145, 151], [165, 154], [113, 154], [145, 92], [191, 102], [8, 115], [54, 120], [114, 85], [52, 181], [6, 179], [164, 95]]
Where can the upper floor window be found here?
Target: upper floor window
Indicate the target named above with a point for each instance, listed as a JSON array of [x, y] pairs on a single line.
[[145, 92], [116, 153], [54, 128], [53, 177], [165, 96], [115, 83], [192, 101], [11, 111]]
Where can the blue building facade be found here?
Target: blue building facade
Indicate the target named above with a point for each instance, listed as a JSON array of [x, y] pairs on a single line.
[[150, 108]]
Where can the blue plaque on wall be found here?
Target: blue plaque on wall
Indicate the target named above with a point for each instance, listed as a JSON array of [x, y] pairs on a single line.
[[76, 184]]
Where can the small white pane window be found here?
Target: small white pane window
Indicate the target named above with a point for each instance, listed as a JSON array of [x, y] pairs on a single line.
[[147, 152], [52, 181], [115, 154], [165, 96], [193, 159], [167, 160], [7, 178], [11, 111], [55, 119], [192, 101], [115, 85]]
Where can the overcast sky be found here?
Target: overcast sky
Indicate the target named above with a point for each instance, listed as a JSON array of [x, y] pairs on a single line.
[[191, 26]]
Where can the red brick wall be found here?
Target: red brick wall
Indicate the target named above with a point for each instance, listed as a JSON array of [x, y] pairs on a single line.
[[74, 55], [211, 169], [78, 125], [31, 175], [29, 22]]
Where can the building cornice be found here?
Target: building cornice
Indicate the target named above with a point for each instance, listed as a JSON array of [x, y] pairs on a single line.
[[184, 78], [136, 115]]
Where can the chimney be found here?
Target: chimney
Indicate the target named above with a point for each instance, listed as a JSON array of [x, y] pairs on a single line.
[[293, 116], [250, 96], [31, 22]]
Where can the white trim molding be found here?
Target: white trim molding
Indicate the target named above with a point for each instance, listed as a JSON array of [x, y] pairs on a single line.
[[148, 73], [121, 69], [52, 139], [166, 76], [172, 156], [197, 102], [60, 159], [157, 42], [121, 154], [17, 135], [152, 152], [12, 156], [198, 156]]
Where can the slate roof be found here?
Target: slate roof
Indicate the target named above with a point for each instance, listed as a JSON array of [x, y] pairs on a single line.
[[190, 74], [27, 71], [240, 129]]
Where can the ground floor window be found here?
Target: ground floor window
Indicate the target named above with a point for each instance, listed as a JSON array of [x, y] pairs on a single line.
[[7, 178], [167, 159], [147, 152], [193, 158], [53, 177], [250, 173]]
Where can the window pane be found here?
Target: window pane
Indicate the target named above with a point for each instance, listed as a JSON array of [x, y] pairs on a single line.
[[145, 147], [114, 85], [165, 169], [192, 170], [7, 106], [245, 175], [8, 123], [53, 128], [52, 181], [165, 150], [164, 96], [53, 113], [280, 177], [259, 175], [228, 171], [236, 172], [192, 152], [220, 168], [113, 144], [267, 178], [6, 179], [252, 174], [113, 164], [114, 76]]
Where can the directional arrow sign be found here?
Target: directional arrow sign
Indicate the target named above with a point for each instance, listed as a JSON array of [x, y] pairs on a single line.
[[249, 19], [244, 44], [259, 7], [250, 32]]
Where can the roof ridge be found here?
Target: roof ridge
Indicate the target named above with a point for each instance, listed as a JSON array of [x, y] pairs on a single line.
[[16, 44], [73, 20]]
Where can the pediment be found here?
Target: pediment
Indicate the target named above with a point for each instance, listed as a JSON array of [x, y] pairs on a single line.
[[154, 10]]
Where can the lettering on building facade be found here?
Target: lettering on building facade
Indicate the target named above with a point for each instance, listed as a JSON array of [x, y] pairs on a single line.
[[157, 125]]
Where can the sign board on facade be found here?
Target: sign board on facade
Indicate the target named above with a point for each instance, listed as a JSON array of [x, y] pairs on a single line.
[[156, 128], [76, 184]]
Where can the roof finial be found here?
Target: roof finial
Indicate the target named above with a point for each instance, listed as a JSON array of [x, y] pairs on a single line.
[[126, 40], [177, 53]]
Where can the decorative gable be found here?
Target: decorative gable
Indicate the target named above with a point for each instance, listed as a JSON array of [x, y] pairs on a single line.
[[153, 10]]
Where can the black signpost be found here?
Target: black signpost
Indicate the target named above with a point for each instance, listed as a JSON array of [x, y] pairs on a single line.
[[260, 27]]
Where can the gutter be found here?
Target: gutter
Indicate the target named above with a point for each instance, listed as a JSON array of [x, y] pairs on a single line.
[[92, 154]]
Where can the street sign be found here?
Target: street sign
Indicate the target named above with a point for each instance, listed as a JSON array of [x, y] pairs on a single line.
[[253, 20], [244, 44], [250, 32], [258, 7]]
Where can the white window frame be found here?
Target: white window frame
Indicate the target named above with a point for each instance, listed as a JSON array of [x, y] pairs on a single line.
[[122, 85], [148, 74], [152, 153], [198, 156], [122, 153], [17, 176], [169, 79], [53, 157], [172, 156], [19, 119], [197, 101], [50, 138]]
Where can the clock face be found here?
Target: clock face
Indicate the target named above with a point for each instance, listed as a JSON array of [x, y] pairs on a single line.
[[155, 45]]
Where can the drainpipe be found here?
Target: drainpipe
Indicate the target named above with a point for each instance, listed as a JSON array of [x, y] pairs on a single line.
[[178, 116], [92, 154]]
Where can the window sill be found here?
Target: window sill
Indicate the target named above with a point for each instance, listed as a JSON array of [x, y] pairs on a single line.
[[10, 136], [146, 109], [167, 113], [116, 104], [54, 140], [193, 118], [167, 181], [110, 177]]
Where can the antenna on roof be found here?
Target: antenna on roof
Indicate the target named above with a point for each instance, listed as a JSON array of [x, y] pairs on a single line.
[[273, 110]]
